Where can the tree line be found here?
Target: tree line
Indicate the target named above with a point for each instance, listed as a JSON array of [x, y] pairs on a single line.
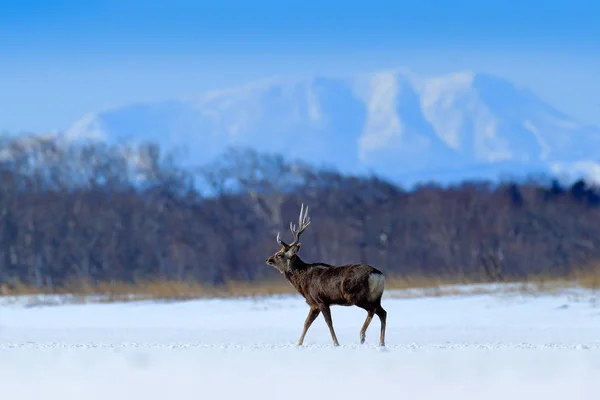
[[84, 210]]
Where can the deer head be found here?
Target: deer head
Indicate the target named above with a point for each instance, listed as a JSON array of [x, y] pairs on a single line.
[[281, 259]]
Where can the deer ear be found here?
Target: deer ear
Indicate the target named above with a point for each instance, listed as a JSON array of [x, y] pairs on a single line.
[[293, 250]]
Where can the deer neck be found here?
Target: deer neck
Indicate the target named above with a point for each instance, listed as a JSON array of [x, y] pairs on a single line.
[[296, 272], [296, 265]]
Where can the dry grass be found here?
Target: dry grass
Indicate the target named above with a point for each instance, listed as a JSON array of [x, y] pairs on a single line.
[[589, 278], [84, 291], [176, 290], [397, 286]]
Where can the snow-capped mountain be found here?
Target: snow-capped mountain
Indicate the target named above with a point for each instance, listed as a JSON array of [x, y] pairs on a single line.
[[393, 122]]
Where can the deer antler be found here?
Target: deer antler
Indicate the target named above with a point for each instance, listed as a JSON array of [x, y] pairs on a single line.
[[281, 242], [303, 222]]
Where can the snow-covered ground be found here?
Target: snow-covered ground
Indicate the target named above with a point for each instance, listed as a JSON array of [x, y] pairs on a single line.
[[474, 346]]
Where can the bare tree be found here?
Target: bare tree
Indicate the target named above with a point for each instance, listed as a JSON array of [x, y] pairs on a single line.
[[73, 210]]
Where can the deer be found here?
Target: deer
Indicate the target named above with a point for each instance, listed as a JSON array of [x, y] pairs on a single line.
[[323, 285]]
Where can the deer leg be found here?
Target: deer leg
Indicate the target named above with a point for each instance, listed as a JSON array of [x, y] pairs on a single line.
[[327, 315], [363, 330], [312, 315], [382, 314]]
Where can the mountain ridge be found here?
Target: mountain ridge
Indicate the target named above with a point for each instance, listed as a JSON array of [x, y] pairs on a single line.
[[392, 122]]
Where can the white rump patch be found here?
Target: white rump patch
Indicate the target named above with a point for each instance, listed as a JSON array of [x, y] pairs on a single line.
[[376, 285]]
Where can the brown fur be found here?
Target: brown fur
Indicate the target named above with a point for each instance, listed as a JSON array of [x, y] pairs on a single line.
[[323, 285]]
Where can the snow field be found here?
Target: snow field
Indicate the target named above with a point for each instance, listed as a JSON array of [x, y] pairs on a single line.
[[463, 347]]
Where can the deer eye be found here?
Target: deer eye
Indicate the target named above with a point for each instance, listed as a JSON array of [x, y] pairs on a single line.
[[279, 255]]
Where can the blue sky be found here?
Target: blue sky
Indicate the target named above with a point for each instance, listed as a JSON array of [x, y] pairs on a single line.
[[62, 59]]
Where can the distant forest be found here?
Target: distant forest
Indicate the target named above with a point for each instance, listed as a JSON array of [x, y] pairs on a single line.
[[73, 211]]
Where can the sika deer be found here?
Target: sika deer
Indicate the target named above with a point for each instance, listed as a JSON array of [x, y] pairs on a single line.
[[323, 285]]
